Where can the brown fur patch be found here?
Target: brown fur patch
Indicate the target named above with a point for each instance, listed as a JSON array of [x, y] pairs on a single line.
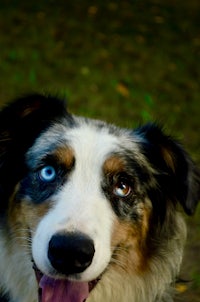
[[113, 165], [65, 155], [168, 158], [23, 218], [129, 243]]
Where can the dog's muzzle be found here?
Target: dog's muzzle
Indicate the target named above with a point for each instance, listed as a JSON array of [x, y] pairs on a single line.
[[69, 254]]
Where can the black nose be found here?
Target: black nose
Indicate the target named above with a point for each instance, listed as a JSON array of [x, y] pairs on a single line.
[[70, 253]]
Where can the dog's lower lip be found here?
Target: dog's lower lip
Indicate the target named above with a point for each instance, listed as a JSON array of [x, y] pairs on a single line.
[[38, 273], [93, 283]]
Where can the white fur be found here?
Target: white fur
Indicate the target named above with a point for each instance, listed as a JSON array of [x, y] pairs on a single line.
[[16, 272]]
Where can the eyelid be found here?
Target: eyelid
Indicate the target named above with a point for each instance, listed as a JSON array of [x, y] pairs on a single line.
[[47, 160], [122, 176]]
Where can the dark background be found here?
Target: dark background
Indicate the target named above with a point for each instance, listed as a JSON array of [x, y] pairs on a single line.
[[127, 62]]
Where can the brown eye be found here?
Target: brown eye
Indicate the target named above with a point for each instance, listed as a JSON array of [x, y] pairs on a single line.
[[122, 189]]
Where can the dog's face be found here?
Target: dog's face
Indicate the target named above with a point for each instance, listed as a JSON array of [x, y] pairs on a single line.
[[70, 174], [81, 194], [79, 186]]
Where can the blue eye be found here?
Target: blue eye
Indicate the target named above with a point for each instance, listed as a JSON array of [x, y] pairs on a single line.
[[47, 174]]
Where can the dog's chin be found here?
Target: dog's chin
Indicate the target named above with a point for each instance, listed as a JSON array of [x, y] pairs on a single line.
[[56, 290]]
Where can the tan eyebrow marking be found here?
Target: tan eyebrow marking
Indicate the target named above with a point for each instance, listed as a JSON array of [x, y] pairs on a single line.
[[65, 155], [113, 165]]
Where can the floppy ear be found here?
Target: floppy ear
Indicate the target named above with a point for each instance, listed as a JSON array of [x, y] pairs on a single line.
[[177, 177], [21, 122]]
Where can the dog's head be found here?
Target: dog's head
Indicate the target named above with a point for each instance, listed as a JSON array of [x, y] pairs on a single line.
[[82, 195]]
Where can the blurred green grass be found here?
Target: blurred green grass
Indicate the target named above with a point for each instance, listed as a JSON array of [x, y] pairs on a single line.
[[127, 62]]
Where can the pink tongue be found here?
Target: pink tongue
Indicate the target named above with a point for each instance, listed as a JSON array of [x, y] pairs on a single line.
[[62, 290]]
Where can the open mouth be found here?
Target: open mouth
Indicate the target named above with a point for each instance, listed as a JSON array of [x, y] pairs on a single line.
[[57, 290]]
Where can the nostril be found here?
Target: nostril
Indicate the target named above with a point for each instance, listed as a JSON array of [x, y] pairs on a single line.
[[71, 253]]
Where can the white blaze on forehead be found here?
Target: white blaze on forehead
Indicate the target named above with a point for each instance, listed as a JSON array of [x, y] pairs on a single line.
[[91, 146], [83, 188]]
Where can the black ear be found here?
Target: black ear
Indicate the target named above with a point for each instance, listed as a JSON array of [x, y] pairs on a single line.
[[177, 176], [21, 122]]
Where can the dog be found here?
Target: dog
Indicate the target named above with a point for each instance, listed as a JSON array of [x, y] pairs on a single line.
[[89, 211]]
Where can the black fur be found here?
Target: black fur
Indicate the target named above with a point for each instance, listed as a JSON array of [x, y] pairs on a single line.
[[37, 189], [4, 298], [20, 124], [177, 177]]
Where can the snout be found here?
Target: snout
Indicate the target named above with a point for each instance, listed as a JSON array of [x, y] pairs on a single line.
[[70, 253]]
